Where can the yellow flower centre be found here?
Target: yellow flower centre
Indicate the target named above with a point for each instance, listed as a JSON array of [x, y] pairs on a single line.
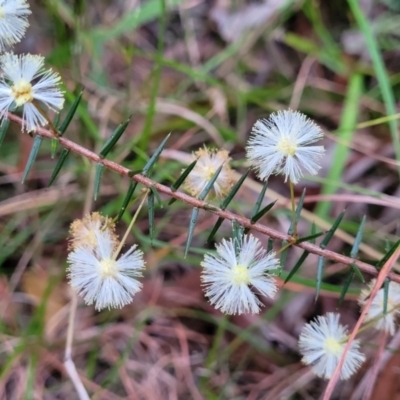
[[240, 275], [287, 146], [333, 346], [22, 92], [208, 172], [108, 268]]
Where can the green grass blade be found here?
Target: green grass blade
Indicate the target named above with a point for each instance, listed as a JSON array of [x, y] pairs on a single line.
[[381, 73], [32, 156], [345, 133]]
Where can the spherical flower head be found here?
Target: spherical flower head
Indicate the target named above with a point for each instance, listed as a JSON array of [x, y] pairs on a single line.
[[279, 145], [83, 231], [13, 21], [26, 84], [228, 276], [384, 322], [322, 342], [100, 278], [208, 161]]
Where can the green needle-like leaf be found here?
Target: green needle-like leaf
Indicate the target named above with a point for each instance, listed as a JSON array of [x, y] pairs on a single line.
[[150, 203], [331, 231], [3, 129], [297, 265], [60, 163], [113, 139], [259, 201], [387, 255], [63, 127], [156, 195], [320, 271], [97, 179], [309, 238], [32, 156], [358, 239], [270, 245], [54, 143], [155, 156], [177, 184], [386, 284], [237, 233], [192, 225], [261, 213], [303, 256], [210, 184], [346, 286], [127, 199], [358, 272], [225, 204], [284, 254], [297, 212]]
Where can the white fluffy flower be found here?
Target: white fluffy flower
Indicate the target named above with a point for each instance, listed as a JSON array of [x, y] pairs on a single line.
[[227, 277], [375, 312], [17, 88], [99, 278], [322, 342], [208, 161], [13, 21], [279, 145]]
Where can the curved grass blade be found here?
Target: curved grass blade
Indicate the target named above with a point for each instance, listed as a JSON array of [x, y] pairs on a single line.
[[261, 213], [155, 156], [331, 231], [128, 197], [193, 221], [176, 185], [3, 129], [225, 204], [346, 286], [32, 156], [71, 112], [210, 184], [97, 179], [60, 163], [113, 139], [297, 212], [150, 204], [320, 271]]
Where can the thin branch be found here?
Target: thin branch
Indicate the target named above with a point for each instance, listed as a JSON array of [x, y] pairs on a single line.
[[245, 222]]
